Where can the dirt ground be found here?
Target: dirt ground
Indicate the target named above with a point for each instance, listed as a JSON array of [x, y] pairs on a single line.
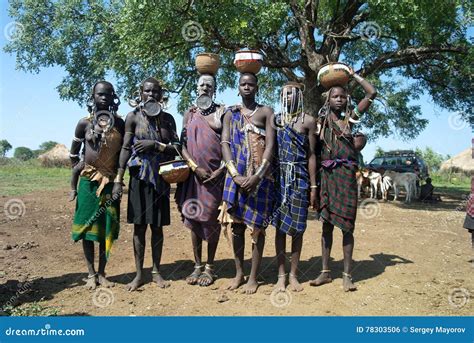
[[408, 260]]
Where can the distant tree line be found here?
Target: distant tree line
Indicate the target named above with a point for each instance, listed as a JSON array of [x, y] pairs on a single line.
[[24, 153]]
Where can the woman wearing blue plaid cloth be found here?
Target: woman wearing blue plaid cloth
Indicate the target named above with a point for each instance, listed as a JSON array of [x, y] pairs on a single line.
[[296, 137]]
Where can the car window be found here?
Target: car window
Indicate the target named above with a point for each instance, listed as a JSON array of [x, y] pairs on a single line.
[[391, 161], [377, 161], [407, 160]]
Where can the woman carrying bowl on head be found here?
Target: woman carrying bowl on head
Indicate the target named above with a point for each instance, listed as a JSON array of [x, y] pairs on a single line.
[[339, 155], [199, 197]]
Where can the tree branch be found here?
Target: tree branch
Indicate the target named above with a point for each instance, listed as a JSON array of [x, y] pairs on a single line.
[[410, 55]]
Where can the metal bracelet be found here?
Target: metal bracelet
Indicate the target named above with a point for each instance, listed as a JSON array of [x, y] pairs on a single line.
[[79, 140], [160, 146], [232, 169], [192, 164], [262, 170]]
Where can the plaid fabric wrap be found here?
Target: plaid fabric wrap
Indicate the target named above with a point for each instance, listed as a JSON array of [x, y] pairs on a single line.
[[291, 209], [149, 163], [470, 201], [338, 193], [203, 144], [253, 209]]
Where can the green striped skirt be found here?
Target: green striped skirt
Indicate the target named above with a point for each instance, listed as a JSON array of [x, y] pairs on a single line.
[[96, 218]]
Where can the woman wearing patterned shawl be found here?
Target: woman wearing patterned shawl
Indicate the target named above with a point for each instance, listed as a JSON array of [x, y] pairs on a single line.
[[248, 140], [150, 138], [338, 192], [199, 197], [296, 138]]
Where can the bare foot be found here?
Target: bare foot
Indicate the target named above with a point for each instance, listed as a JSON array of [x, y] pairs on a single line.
[[193, 278], [133, 286], [348, 284], [251, 286], [322, 279], [158, 279], [281, 283], [207, 278], [91, 283], [295, 286], [236, 282], [104, 282]]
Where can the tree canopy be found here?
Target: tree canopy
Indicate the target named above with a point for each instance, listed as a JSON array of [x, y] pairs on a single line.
[[406, 48], [5, 147], [23, 153]]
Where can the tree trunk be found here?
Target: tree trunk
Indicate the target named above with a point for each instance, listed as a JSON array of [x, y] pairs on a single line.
[[312, 94]]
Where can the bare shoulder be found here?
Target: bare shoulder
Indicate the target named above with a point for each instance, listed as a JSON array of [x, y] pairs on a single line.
[[119, 119], [83, 123], [310, 121], [131, 116], [167, 117], [266, 110]]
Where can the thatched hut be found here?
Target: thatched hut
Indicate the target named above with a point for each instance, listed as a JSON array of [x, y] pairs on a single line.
[[56, 157], [462, 163]]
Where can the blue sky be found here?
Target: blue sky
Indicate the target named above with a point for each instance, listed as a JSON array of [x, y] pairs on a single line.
[[31, 112]]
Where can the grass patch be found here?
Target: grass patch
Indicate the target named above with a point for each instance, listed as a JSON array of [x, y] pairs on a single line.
[[23, 177], [33, 309], [18, 178], [457, 185]]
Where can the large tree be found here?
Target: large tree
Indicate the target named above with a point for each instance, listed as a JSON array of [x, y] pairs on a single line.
[[406, 48], [5, 147]]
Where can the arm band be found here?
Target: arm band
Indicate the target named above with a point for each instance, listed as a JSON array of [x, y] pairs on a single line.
[[232, 169], [192, 164], [262, 170]]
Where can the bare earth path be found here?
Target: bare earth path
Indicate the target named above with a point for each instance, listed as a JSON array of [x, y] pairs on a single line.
[[409, 260]]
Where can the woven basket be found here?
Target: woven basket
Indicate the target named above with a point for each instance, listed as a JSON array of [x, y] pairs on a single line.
[[248, 61], [207, 63], [175, 171], [333, 74]]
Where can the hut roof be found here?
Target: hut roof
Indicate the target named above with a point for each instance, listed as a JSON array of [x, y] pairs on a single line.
[[461, 163]]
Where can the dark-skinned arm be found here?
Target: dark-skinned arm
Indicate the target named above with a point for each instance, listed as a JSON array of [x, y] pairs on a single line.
[[370, 94], [311, 122], [79, 136], [125, 154]]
